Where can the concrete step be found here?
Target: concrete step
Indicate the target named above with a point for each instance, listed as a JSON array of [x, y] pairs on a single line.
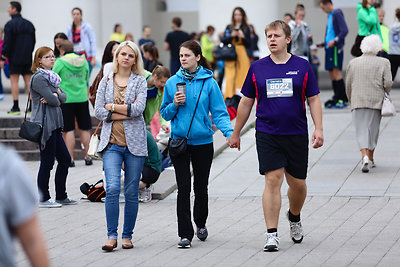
[[9, 133], [34, 155]]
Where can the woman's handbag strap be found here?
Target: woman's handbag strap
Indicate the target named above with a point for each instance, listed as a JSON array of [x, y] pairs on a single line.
[[190, 126]]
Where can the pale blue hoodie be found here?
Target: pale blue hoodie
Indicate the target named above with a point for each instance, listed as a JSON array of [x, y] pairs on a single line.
[[211, 100]]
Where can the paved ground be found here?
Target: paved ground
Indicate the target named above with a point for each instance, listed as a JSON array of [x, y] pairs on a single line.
[[350, 218]]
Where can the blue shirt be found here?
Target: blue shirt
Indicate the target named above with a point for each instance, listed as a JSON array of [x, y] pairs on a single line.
[[330, 32]]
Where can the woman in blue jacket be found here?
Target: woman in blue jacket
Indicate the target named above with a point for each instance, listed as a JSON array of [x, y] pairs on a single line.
[[179, 108]]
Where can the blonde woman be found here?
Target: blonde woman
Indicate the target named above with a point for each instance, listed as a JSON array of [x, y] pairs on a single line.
[[368, 77], [120, 102]]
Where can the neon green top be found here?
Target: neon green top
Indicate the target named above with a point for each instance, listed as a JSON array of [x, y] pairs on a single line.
[[385, 37]]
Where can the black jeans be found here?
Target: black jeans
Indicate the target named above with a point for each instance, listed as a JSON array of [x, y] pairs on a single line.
[[201, 157], [55, 148]]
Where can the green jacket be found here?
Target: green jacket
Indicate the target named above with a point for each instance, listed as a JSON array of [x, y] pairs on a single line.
[[207, 47], [153, 104], [368, 22], [154, 158], [74, 73]]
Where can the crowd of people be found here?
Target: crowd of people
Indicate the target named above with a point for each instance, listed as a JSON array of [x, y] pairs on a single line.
[[135, 96]]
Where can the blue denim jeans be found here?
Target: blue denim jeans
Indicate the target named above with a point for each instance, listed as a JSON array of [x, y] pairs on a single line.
[[112, 163]]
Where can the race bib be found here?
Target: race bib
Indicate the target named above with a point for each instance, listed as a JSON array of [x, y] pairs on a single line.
[[279, 87]]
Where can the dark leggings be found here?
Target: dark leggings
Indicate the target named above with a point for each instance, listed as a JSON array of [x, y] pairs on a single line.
[[55, 149], [201, 157], [394, 64], [149, 175]]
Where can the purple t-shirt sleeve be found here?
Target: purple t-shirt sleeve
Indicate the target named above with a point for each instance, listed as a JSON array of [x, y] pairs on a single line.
[[312, 84], [249, 89]]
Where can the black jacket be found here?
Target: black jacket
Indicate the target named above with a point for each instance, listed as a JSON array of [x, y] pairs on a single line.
[[19, 41]]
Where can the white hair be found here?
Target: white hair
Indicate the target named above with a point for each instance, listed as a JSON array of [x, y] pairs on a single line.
[[371, 44], [137, 67]]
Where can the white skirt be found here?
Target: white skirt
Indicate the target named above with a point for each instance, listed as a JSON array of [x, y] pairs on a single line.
[[367, 122]]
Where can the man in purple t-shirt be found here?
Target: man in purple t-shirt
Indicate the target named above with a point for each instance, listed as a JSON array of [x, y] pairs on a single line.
[[281, 83]]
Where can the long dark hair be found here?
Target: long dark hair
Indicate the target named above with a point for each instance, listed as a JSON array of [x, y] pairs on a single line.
[[244, 17], [73, 23], [152, 49], [62, 36], [107, 54], [196, 49]]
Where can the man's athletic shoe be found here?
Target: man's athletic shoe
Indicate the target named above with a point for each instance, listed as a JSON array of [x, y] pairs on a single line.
[[296, 230], [340, 105], [364, 164], [329, 103], [373, 165], [14, 111], [202, 233], [272, 242], [184, 243]]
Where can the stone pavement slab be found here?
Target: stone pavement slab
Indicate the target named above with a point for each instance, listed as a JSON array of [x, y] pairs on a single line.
[[350, 218]]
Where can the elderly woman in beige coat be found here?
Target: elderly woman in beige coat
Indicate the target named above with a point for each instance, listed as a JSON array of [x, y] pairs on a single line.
[[367, 79]]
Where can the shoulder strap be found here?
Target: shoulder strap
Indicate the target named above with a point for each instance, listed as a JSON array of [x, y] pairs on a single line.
[[190, 126]]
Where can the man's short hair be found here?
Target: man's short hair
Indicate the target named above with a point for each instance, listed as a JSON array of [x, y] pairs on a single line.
[[324, 2], [278, 24], [16, 5], [177, 21], [66, 45]]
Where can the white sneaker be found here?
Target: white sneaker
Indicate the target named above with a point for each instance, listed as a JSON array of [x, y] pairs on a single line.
[[364, 164], [296, 230], [49, 204], [272, 242], [372, 163], [141, 194], [147, 193]]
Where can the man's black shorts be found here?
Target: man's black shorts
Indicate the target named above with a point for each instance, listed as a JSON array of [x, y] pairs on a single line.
[[78, 110], [20, 69], [287, 151]]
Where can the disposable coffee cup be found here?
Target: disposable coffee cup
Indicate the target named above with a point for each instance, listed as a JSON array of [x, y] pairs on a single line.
[[181, 87]]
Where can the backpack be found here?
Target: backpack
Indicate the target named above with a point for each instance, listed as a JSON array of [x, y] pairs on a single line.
[[94, 192]]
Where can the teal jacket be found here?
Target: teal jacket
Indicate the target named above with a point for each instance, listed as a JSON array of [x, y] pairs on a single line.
[[368, 22], [211, 101]]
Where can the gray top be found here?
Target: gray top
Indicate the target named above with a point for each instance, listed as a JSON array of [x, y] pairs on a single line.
[[41, 87], [17, 201], [299, 38], [135, 128], [368, 77], [394, 42]]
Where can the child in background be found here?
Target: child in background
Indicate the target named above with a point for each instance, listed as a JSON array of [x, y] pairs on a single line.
[[314, 60]]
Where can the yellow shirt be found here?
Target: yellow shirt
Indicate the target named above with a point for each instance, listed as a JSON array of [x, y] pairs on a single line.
[[119, 37]]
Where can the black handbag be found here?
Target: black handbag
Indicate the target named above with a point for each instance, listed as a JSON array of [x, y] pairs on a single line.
[[355, 49], [177, 147], [29, 130], [225, 52]]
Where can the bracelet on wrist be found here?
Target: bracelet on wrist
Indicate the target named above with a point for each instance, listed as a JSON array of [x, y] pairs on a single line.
[[112, 107]]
